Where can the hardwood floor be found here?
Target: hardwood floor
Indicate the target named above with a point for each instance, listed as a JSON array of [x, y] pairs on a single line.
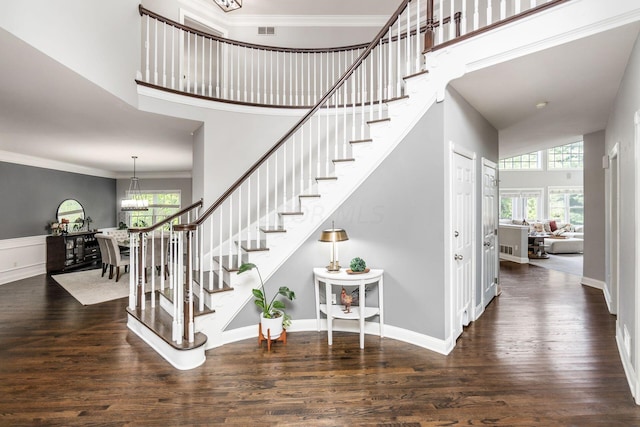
[[543, 354]]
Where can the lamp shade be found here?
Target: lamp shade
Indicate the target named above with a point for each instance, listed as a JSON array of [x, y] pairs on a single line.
[[334, 235]]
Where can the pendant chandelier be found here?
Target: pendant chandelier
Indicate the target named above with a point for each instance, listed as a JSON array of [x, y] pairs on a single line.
[[134, 200], [229, 5]]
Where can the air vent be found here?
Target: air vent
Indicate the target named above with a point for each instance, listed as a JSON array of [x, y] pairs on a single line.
[[506, 249], [266, 31]]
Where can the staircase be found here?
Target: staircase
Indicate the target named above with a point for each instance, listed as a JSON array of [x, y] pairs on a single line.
[[285, 196]]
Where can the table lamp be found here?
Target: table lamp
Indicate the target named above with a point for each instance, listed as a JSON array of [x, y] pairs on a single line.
[[332, 236]]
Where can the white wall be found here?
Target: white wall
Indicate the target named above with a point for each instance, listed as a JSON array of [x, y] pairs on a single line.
[[594, 210], [620, 130], [103, 46]]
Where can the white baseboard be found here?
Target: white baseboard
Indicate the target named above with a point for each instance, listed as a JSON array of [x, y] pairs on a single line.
[[587, 281], [627, 365], [22, 258], [607, 298], [516, 259], [370, 328]]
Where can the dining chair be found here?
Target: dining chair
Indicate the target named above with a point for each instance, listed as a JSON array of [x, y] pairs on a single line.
[[117, 260], [104, 252]]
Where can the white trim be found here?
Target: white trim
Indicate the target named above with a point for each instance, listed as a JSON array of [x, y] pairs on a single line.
[[39, 162], [627, 365], [207, 8], [635, 385], [209, 104], [512, 258], [371, 328], [179, 359], [22, 257], [593, 283]]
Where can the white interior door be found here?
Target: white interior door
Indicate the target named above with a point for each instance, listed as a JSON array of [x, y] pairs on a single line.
[[489, 232], [614, 232], [462, 244]]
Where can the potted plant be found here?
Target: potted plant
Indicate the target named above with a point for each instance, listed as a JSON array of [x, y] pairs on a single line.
[[273, 317]]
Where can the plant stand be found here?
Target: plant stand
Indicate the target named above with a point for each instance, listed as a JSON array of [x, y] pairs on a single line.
[[283, 337]]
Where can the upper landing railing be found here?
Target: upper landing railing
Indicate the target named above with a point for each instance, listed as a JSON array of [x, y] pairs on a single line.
[[180, 59]]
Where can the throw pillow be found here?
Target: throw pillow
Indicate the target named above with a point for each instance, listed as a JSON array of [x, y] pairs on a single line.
[[538, 227], [547, 227], [553, 226], [558, 232]]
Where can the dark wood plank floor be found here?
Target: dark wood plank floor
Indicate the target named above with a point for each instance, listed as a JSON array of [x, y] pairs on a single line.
[[543, 354]]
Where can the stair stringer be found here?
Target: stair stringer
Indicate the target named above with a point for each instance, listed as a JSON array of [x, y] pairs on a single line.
[[423, 91]]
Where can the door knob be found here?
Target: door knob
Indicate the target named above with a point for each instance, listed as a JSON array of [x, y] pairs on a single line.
[[487, 244], [458, 257], [456, 234]]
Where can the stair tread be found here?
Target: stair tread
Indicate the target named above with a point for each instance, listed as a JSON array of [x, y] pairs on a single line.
[[360, 141], [419, 73], [216, 279], [161, 323], [273, 229], [378, 121], [397, 98], [168, 294], [231, 260], [254, 245]]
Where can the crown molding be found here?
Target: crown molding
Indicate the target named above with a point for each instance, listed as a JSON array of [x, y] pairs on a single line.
[[156, 175], [214, 14], [39, 162]]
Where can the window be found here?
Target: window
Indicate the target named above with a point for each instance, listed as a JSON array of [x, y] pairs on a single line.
[[570, 156], [162, 204], [523, 162], [521, 204], [567, 205]]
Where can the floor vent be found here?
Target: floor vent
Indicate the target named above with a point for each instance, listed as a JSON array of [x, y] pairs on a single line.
[[266, 31], [504, 249]]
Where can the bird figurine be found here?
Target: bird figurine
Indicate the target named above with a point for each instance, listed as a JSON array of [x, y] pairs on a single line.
[[346, 299]]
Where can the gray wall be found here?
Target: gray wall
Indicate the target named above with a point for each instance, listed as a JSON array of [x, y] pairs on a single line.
[[620, 129], [31, 195], [465, 127], [594, 207], [394, 222]]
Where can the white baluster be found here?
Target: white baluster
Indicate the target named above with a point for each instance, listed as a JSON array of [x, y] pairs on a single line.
[[389, 64], [249, 230], [173, 57], [195, 64], [211, 67], [146, 52], [517, 8], [476, 14], [503, 9], [463, 20], [489, 13], [239, 226], [532, 4], [398, 62], [452, 26], [203, 86], [284, 177], [164, 55], [244, 49], [418, 58], [267, 192]]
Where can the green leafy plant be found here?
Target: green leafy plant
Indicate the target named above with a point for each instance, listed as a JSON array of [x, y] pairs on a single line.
[[274, 308], [358, 264]]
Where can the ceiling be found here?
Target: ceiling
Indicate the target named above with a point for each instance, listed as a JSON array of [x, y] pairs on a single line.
[[62, 117]]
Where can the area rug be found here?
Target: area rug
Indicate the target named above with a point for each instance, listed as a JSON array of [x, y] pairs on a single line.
[[567, 263], [89, 288]]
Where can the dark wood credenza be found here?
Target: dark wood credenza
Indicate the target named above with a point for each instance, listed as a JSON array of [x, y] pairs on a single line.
[[70, 251]]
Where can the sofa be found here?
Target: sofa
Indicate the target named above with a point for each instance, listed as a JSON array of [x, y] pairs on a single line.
[[563, 238], [567, 245]]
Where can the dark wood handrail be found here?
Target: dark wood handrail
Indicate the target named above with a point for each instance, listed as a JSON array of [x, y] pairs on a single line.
[[167, 220], [144, 11], [495, 25], [308, 115]]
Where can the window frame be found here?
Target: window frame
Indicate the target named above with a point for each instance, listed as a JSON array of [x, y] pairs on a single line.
[[153, 205]]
